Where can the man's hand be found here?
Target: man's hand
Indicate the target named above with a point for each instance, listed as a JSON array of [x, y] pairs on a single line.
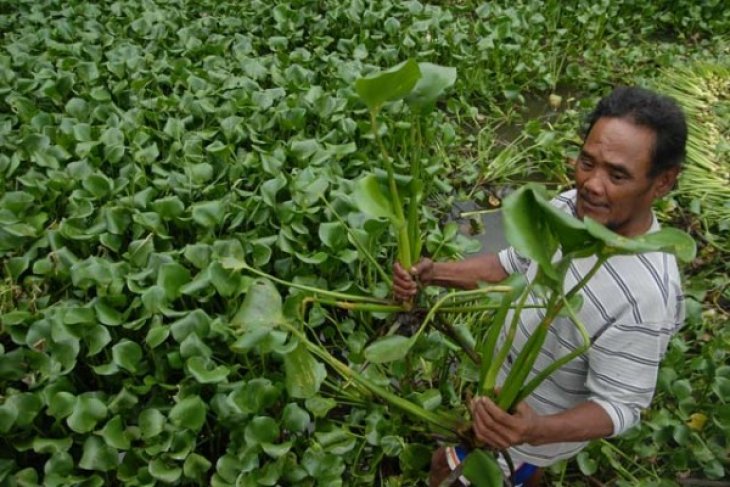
[[498, 429], [405, 283]]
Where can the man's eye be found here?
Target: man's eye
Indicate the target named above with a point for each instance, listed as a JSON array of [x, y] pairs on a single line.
[[618, 176], [585, 163]]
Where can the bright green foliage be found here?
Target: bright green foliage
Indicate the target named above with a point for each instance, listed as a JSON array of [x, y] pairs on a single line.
[[145, 145], [389, 85], [482, 469]]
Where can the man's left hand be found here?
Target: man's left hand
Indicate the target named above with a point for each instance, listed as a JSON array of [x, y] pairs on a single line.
[[499, 429]]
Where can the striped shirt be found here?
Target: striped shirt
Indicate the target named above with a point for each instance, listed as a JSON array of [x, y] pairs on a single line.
[[631, 308]]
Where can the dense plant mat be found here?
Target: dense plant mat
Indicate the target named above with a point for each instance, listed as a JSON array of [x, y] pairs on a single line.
[[143, 145]]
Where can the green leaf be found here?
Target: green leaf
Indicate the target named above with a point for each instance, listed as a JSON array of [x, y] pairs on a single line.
[[168, 207], [148, 155], [193, 346], [97, 338], [127, 355], [76, 107], [278, 450], [261, 309], [527, 230], [198, 255], [304, 375], [171, 277], [208, 214], [721, 387], [415, 457], [320, 406], [588, 466], [154, 299], [482, 469], [200, 368], [197, 321], [270, 188], [667, 239], [76, 315], [156, 335], [226, 282], [434, 81], [107, 314], [388, 85], [164, 471], [338, 441], [87, 412], [196, 466], [388, 349], [189, 413], [114, 434], [682, 389], [27, 405], [371, 199], [261, 429], [294, 418], [8, 414], [16, 201], [333, 235], [61, 404], [51, 445], [98, 456], [151, 422]]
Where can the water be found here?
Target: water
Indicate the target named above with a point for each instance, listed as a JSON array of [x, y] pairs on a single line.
[[485, 226]]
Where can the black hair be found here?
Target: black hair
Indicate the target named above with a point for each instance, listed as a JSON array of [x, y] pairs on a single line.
[[654, 111]]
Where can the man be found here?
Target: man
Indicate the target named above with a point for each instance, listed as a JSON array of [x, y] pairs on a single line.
[[631, 156]]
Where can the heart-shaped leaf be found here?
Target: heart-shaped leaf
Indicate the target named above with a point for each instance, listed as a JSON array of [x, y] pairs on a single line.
[[434, 81], [189, 413], [391, 84], [667, 239], [304, 374], [262, 307], [482, 469], [372, 199], [388, 349]]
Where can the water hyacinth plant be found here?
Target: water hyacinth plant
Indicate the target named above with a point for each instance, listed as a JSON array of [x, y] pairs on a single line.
[[537, 230]]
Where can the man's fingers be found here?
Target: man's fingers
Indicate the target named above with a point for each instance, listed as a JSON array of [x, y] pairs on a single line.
[[493, 426], [422, 266], [499, 416], [490, 433], [400, 272]]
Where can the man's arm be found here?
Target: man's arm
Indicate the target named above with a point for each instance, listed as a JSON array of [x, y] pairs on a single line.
[[468, 273], [462, 274], [498, 429]]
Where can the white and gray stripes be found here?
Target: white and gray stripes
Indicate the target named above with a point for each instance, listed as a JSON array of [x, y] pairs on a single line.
[[631, 308]]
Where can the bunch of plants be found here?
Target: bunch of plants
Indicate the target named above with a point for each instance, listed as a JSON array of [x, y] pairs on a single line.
[[148, 151]]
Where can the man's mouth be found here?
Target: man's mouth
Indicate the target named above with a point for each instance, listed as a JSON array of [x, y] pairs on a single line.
[[592, 205]]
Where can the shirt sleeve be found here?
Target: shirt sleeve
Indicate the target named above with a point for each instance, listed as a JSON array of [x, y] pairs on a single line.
[[512, 262], [623, 368]]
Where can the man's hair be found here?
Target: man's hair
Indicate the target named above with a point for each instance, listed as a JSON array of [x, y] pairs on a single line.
[[656, 112]]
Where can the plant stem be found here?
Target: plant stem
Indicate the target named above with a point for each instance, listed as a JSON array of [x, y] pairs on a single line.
[[473, 292], [451, 332], [323, 292], [496, 364], [349, 305], [404, 246], [599, 262], [442, 422]]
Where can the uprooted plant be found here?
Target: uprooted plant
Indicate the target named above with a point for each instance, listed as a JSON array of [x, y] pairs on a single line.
[[534, 227], [554, 232]]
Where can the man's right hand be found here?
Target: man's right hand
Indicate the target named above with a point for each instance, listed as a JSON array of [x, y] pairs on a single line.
[[405, 283]]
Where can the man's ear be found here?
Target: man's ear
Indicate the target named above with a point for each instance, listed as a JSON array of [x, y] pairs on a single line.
[[665, 181]]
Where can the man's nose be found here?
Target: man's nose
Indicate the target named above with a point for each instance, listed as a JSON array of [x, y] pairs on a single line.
[[595, 183]]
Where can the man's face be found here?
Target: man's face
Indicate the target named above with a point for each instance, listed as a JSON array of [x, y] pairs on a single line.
[[612, 176]]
